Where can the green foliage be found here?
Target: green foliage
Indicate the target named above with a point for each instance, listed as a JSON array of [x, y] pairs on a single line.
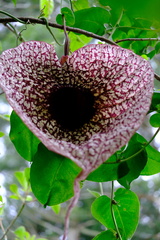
[[47, 7], [155, 104], [78, 41], [135, 163], [108, 172], [144, 8], [23, 139], [94, 193], [51, 175], [56, 208], [80, 4], [22, 234], [153, 162], [155, 120], [117, 168], [111, 235], [14, 2], [126, 210], [68, 16], [2, 205], [92, 19], [21, 193], [89, 19], [1, 134]]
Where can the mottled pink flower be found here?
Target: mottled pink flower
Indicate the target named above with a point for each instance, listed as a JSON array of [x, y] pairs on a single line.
[[85, 109]]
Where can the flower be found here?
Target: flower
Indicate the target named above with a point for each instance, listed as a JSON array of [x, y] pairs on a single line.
[[86, 108]]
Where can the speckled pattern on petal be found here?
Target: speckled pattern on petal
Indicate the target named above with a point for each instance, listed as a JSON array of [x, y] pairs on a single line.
[[120, 81]]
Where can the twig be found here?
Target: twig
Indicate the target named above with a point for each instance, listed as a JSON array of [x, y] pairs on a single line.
[[101, 188], [138, 39], [3, 230], [13, 221], [13, 29], [12, 17], [66, 44], [4, 118], [71, 5], [112, 212], [157, 76], [25, 20]]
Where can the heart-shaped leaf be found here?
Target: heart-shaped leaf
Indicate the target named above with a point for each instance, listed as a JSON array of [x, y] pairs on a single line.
[[52, 177]]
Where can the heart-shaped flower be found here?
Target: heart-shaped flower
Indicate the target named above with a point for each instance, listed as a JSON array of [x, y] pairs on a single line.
[[86, 108]]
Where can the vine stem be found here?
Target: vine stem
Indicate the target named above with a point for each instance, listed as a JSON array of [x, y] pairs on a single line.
[[71, 5], [126, 159], [48, 28], [138, 39], [13, 221], [4, 118], [112, 212], [3, 230], [66, 44], [101, 188], [157, 76], [29, 20]]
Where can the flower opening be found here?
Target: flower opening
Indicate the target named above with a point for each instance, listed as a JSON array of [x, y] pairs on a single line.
[[71, 107], [86, 108]]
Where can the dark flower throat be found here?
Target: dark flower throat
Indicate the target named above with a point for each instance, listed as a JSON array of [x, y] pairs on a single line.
[[71, 107]]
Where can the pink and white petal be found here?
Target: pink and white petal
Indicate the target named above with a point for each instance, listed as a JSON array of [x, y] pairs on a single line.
[[121, 82]]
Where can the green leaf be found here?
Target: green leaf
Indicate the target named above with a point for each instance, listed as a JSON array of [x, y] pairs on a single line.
[[47, 7], [27, 174], [108, 172], [1, 205], [94, 193], [29, 198], [155, 104], [106, 235], [151, 54], [126, 211], [155, 120], [56, 208], [52, 177], [92, 19], [25, 142], [139, 9], [80, 4], [23, 178], [15, 197], [77, 41], [157, 48], [68, 15], [14, 188], [21, 233], [135, 164], [153, 163], [1, 134], [14, 2]]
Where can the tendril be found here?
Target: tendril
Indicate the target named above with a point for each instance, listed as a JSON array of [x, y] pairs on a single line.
[[48, 28], [135, 154]]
